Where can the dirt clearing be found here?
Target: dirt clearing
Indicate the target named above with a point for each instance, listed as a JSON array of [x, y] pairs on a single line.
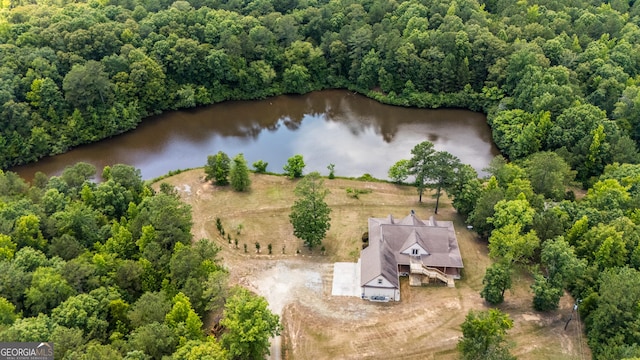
[[298, 283]]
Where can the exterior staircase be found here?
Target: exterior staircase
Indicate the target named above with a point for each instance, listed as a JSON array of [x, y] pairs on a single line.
[[419, 268]]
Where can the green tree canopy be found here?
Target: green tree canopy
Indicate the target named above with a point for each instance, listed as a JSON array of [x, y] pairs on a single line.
[[497, 279], [249, 325], [399, 172], [239, 174], [217, 168], [421, 164], [549, 174], [484, 336], [310, 213], [294, 166]]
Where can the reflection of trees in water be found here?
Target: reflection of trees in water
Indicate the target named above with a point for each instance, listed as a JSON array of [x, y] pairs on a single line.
[[359, 114], [247, 119]]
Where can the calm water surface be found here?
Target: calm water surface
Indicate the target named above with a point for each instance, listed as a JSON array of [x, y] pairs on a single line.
[[355, 133]]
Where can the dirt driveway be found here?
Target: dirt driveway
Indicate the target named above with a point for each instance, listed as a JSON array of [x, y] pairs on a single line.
[[297, 284], [424, 325]]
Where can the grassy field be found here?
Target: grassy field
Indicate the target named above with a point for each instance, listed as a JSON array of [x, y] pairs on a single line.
[[424, 325]]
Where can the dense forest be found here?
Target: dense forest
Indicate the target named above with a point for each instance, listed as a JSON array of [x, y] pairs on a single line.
[[551, 75], [558, 81], [110, 271]]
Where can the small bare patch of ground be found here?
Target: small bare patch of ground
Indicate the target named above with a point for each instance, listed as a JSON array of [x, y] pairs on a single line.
[[425, 324]]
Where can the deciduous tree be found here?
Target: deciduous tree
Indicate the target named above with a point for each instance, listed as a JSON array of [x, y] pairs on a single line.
[[154, 339], [217, 168], [497, 279], [484, 336], [201, 350], [613, 325], [7, 312], [250, 325], [149, 308], [309, 213], [549, 174], [508, 243], [399, 171], [48, 289], [294, 166]]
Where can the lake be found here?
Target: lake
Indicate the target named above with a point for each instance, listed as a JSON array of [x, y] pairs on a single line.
[[357, 134]]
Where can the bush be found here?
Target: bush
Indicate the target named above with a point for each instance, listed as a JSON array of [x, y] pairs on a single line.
[[355, 193], [260, 166], [294, 167]]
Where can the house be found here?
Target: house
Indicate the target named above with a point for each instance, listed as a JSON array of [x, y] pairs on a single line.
[[426, 251]]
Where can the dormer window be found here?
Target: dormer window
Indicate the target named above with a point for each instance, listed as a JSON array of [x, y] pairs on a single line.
[[379, 281]]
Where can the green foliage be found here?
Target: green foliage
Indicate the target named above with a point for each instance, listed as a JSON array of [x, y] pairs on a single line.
[[613, 324], [434, 169], [83, 312], [420, 165], [465, 189], [249, 325], [519, 133], [48, 289], [309, 213], [191, 269], [546, 294], [484, 208], [550, 78], [512, 212], [443, 173], [399, 172], [103, 299], [549, 174], [260, 166], [155, 340], [294, 166], [508, 243], [332, 169], [87, 85], [484, 335], [96, 351], [239, 174], [184, 320], [7, 312], [7, 247], [355, 193], [497, 279], [560, 261], [196, 350], [149, 308], [217, 168], [75, 176], [30, 329], [66, 340]]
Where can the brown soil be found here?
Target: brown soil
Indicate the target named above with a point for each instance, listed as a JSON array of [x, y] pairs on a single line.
[[425, 324]]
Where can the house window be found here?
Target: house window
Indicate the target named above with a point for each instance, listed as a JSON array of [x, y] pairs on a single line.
[[379, 281], [414, 251]]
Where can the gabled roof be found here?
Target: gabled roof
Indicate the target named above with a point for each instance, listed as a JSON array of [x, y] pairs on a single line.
[[378, 257], [388, 238], [412, 220], [414, 238]]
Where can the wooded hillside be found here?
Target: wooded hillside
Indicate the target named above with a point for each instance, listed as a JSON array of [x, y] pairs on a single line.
[[551, 75], [558, 80]]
